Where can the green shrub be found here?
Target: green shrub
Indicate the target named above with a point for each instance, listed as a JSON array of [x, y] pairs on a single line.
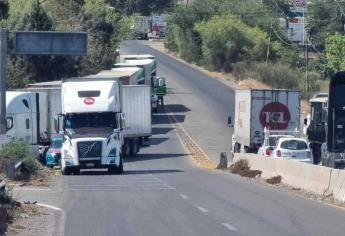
[[30, 166], [226, 40], [277, 75], [240, 70], [17, 150]]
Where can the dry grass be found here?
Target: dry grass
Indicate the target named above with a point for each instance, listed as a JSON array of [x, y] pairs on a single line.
[[274, 180], [242, 168]]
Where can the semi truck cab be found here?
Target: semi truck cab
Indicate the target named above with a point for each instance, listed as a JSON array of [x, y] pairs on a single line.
[[91, 122]]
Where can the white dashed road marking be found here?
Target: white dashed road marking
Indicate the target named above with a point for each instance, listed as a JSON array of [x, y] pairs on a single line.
[[229, 227], [202, 209], [184, 196]]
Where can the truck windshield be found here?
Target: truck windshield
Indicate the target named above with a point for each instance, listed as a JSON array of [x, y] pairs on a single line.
[[90, 123]]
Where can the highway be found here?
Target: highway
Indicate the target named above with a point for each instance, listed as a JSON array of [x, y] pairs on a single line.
[[162, 192]]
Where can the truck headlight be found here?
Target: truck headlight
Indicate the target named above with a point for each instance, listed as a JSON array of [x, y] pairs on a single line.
[[112, 153]]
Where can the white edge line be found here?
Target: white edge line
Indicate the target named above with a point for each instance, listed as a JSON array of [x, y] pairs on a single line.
[[229, 227], [202, 209], [184, 196], [49, 206], [61, 225]]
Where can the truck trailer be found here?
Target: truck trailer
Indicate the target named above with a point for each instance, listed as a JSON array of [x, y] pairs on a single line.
[[30, 115], [257, 109]]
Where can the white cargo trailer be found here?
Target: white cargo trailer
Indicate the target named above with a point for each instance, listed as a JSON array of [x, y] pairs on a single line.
[[127, 75], [256, 109], [137, 109]]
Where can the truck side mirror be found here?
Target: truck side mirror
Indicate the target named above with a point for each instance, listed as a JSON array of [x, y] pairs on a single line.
[[9, 123], [59, 123], [123, 120], [56, 123], [230, 122]]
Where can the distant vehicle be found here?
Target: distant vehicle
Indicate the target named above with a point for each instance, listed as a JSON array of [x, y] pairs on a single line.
[[53, 154], [269, 144], [142, 27], [257, 109], [271, 138], [293, 149]]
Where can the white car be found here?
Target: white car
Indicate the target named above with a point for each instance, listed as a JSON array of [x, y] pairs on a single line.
[[269, 144], [293, 149]]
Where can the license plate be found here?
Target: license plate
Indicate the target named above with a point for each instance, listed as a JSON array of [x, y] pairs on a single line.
[[90, 164]]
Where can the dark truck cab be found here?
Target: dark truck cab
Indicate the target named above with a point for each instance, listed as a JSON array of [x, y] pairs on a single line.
[[333, 150]]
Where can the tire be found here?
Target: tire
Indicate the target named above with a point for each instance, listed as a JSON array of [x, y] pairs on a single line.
[[126, 149], [133, 147], [116, 170], [76, 171], [65, 171]]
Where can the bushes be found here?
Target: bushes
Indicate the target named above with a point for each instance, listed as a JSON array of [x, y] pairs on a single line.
[[16, 151], [277, 75], [226, 40]]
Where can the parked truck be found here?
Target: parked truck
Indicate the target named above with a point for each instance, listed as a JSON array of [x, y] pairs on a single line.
[[30, 115], [333, 149], [101, 120], [141, 27], [315, 125], [150, 70], [257, 109]]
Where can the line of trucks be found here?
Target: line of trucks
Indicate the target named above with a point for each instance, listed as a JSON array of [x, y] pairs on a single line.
[[259, 110], [102, 117]]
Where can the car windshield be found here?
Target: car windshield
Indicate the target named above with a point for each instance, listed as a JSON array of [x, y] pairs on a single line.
[[90, 123], [57, 143], [294, 145]]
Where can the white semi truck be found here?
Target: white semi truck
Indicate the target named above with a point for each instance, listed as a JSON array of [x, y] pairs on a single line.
[[97, 131], [30, 115], [257, 109]]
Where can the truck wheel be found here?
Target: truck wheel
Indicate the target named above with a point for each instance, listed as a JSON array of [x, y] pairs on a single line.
[[133, 147], [76, 171], [126, 149], [246, 149], [116, 170], [65, 171]]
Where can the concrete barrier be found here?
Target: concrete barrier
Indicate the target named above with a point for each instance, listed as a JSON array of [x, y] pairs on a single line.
[[312, 178]]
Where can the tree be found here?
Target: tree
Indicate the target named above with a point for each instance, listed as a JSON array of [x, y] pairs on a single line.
[[325, 17], [4, 7], [335, 52]]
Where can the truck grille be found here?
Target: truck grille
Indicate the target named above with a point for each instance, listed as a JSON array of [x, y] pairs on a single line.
[[89, 149]]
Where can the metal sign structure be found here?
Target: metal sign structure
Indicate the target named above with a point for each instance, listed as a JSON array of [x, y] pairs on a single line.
[[37, 43], [50, 43]]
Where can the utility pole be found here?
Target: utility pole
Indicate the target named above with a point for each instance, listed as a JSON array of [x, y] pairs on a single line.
[[3, 54]]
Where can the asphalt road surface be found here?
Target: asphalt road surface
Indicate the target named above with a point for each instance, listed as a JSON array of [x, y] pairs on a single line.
[[162, 192]]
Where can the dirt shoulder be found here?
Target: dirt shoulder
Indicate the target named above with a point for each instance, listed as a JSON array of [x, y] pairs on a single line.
[[227, 78], [31, 220]]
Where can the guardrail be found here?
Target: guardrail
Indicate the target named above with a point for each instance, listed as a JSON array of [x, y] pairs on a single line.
[[13, 169]]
